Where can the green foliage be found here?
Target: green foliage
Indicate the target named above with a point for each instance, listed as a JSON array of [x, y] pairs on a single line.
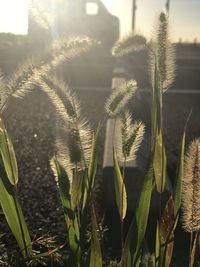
[[160, 163], [95, 254], [8, 194], [70, 215], [120, 190], [136, 233], [8, 155], [75, 164], [20, 83]]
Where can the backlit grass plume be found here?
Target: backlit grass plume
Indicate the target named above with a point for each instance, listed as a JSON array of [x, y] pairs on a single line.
[[70, 106], [66, 48], [20, 82], [40, 16], [119, 98], [73, 147], [191, 188], [76, 128], [129, 136], [62, 155], [79, 141], [26, 78], [128, 44], [74, 42], [73, 151], [76, 132], [162, 54]]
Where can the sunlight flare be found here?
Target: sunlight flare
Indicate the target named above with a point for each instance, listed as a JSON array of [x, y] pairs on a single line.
[[14, 16]]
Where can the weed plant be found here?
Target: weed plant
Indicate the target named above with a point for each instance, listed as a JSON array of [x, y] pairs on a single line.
[[75, 164]]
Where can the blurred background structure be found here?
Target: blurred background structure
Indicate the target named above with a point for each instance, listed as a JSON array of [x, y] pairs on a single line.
[[77, 17], [50, 19]]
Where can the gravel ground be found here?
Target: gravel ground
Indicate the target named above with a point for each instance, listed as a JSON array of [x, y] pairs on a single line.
[[31, 124]]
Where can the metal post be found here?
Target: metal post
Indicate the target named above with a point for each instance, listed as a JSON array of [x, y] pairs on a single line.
[[167, 6], [133, 17]]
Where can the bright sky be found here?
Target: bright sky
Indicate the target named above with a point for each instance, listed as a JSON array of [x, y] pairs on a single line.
[[184, 16], [14, 16]]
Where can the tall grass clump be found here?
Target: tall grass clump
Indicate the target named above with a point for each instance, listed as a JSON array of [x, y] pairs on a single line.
[[75, 162], [75, 168], [30, 75], [162, 73]]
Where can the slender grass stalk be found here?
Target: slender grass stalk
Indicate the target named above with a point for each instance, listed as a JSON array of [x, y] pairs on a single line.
[[27, 254], [122, 224]]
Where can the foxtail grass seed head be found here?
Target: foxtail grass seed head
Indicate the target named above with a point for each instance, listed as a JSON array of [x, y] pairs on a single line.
[[68, 98], [18, 81], [85, 135], [55, 100], [191, 188], [79, 43], [39, 15], [23, 80], [162, 54], [119, 98], [130, 43], [65, 49], [62, 155], [29, 74], [77, 137], [129, 136]]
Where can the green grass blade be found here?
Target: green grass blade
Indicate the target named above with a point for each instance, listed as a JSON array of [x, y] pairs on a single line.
[[142, 211], [160, 163], [96, 254], [90, 178], [70, 216], [179, 176], [8, 155], [77, 187], [136, 233], [120, 190], [14, 216], [155, 107], [93, 159]]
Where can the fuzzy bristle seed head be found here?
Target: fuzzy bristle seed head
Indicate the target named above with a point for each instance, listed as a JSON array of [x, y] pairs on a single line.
[[129, 136], [119, 98], [162, 55], [191, 188], [129, 44]]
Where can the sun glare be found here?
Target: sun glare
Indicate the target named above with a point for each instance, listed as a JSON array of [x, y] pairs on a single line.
[[14, 16]]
